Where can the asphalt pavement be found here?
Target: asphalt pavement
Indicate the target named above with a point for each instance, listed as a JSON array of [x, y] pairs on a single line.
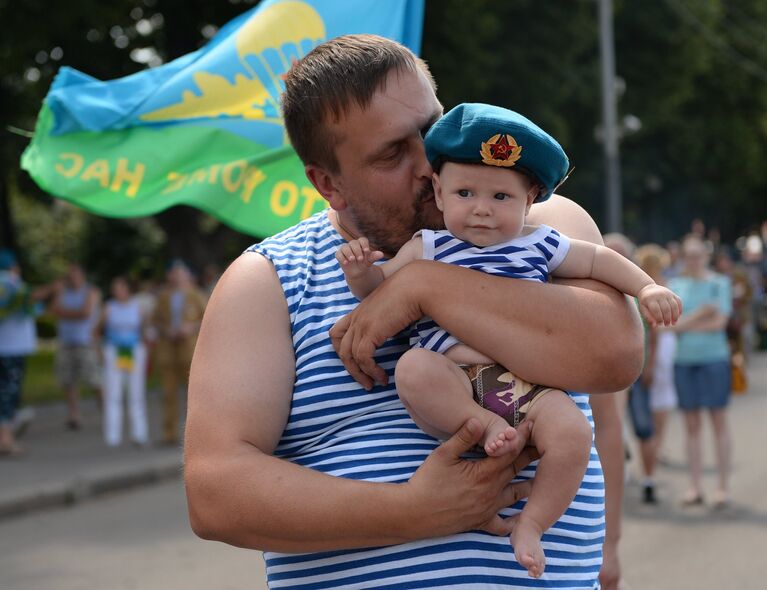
[[62, 467], [663, 546]]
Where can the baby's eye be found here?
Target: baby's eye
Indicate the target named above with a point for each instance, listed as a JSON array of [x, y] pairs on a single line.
[[501, 196], [464, 193]]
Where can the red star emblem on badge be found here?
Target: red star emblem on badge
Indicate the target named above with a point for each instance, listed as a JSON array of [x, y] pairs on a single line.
[[501, 150]]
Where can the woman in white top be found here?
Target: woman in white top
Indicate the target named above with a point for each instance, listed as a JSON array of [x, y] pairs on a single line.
[[124, 361]]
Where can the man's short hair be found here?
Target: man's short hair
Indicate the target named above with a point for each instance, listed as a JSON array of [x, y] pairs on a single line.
[[328, 80]]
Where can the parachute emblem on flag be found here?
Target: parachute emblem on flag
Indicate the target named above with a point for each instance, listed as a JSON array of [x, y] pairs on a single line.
[[254, 93], [205, 129]]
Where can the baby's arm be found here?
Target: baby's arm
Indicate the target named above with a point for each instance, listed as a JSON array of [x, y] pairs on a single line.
[[356, 260], [659, 305]]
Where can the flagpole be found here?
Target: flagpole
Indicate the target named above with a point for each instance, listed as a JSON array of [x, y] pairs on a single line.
[[613, 198]]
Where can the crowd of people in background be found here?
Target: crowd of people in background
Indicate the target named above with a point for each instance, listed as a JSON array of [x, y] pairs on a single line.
[[697, 364], [111, 345]]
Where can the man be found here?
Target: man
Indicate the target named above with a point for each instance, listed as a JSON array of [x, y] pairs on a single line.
[[175, 323], [77, 307], [286, 453]]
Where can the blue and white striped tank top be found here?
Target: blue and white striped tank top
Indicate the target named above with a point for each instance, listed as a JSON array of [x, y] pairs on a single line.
[[338, 428], [531, 257]]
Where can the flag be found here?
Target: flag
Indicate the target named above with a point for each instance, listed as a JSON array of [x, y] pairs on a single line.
[[204, 130]]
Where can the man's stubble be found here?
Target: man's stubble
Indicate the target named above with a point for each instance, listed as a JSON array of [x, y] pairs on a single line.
[[388, 228]]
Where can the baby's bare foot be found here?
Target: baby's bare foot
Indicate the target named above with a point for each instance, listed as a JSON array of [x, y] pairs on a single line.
[[534, 563], [499, 438], [527, 549]]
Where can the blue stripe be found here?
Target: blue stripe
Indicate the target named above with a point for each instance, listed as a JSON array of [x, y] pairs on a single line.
[[312, 429], [399, 553], [319, 458], [443, 580]]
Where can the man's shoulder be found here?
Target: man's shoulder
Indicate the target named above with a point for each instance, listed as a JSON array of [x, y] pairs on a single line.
[[296, 235], [567, 217]]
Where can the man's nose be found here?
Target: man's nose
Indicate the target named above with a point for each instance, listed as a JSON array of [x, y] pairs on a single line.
[[422, 167]]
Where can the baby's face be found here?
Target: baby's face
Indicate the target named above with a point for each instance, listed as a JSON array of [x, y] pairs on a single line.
[[481, 204]]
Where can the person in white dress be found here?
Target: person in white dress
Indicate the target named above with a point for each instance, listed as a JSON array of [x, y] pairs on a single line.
[[124, 356]]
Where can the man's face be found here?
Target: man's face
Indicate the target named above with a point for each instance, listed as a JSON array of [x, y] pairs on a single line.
[[384, 178], [75, 276], [695, 255], [178, 276]]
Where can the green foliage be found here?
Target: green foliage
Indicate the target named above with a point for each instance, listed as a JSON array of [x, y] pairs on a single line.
[[46, 326], [111, 247], [47, 236], [39, 385], [106, 40], [694, 73]]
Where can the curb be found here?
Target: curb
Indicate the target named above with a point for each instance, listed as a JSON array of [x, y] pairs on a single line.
[[80, 489]]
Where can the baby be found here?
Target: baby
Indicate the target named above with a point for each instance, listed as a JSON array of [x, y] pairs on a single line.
[[491, 165]]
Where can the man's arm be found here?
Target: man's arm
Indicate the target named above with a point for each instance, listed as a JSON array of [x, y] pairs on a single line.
[[239, 401], [91, 300], [575, 334], [707, 318], [608, 439]]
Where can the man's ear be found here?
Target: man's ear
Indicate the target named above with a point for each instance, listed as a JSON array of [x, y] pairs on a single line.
[[327, 185], [437, 191]]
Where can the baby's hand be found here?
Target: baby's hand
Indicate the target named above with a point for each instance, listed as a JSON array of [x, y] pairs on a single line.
[[659, 306], [356, 257]]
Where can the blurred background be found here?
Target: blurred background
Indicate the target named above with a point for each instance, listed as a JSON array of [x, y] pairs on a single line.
[[690, 127], [690, 86]]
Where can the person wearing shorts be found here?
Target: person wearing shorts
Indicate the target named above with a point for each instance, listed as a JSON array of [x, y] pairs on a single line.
[[702, 371], [77, 307]]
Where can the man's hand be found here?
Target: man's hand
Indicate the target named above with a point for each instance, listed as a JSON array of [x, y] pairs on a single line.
[[385, 312], [456, 494], [356, 257]]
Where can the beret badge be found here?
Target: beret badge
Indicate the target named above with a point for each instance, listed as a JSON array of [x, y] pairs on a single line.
[[500, 150]]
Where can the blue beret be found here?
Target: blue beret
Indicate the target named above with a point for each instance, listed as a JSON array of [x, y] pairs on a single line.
[[474, 133]]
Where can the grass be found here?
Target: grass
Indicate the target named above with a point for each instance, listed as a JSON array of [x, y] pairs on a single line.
[[39, 382], [40, 387]]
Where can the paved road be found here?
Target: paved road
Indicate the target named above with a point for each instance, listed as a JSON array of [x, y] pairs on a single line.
[[141, 539], [670, 547], [130, 541]]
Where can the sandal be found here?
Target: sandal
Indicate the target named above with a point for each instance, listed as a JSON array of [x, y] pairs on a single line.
[[693, 499], [73, 424], [11, 452], [721, 500]]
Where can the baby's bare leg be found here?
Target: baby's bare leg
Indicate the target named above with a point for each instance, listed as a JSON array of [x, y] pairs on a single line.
[[562, 435], [439, 397]]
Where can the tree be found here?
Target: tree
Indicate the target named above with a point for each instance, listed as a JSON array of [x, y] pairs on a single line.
[[694, 75], [107, 41]]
